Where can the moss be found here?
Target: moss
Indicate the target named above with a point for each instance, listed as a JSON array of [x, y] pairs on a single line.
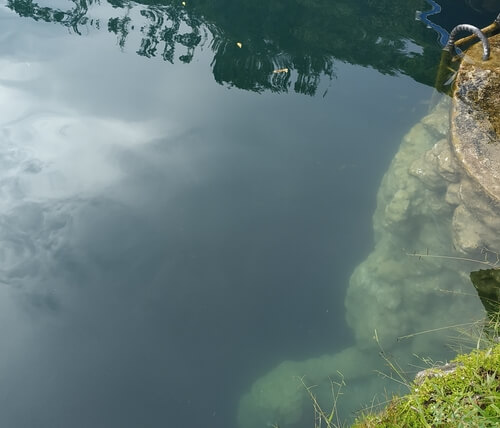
[[468, 396]]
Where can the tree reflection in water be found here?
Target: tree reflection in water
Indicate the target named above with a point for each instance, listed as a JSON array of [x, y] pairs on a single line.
[[304, 36]]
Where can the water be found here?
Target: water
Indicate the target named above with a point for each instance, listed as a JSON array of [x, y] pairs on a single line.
[[176, 219]]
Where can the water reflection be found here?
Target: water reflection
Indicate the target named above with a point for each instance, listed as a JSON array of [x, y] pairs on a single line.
[[172, 241], [303, 37], [162, 248]]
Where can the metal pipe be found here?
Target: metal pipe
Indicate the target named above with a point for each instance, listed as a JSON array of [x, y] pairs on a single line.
[[466, 27]]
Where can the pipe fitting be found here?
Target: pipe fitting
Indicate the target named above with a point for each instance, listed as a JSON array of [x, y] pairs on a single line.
[[466, 27]]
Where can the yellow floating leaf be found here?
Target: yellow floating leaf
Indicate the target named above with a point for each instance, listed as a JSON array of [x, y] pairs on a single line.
[[239, 45]]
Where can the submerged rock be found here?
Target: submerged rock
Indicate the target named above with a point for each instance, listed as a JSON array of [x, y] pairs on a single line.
[[418, 200], [390, 291], [440, 198]]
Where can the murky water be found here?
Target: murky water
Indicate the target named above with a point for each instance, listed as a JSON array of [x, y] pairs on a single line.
[[177, 218]]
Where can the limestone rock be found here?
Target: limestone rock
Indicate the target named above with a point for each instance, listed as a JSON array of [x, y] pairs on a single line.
[[452, 196], [475, 120], [438, 371], [466, 231], [446, 162]]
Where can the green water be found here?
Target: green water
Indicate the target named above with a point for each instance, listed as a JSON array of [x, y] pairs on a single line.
[[177, 218]]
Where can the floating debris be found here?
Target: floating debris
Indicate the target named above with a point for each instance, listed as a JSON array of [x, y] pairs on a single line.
[[240, 45], [281, 70], [183, 3]]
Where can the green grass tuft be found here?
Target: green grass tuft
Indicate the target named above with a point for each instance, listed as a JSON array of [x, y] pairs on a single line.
[[468, 396]]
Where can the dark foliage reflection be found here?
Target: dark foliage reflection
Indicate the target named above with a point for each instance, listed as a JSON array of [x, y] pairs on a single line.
[[252, 39]]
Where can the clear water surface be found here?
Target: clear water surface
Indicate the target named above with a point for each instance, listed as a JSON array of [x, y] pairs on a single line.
[[176, 218]]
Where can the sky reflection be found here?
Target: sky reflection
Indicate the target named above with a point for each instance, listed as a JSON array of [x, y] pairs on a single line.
[[164, 240]]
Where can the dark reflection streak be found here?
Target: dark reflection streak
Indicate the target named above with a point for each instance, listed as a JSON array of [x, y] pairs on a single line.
[[120, 26], [73, 19], [164, 27]]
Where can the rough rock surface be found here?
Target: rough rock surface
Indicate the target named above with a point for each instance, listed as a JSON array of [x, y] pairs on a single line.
[[422, 206], [439, 371], [475, 121], [475, 141]]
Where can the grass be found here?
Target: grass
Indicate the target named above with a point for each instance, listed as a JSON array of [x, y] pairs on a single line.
[[464, 393], [467, 396], [322, 418]]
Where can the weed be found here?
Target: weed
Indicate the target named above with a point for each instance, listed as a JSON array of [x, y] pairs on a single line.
[[323, 419]]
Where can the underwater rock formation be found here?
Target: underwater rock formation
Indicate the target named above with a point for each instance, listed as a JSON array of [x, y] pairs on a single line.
[[427, 204], [439, 202], [279, 396], [416, 211]]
